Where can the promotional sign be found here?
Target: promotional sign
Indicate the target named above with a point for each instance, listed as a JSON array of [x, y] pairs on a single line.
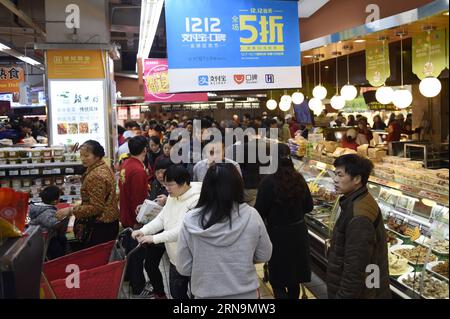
[[156, 80], [75, 64], [122, 113], [77, 112], [377, 64], [135, 112], [232, 45], [10, 78], [426, 60]]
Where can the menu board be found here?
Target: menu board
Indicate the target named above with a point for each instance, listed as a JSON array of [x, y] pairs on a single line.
[[77, 111]]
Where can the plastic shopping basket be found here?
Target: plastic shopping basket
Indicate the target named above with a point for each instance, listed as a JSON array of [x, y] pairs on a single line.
[[101, 272]]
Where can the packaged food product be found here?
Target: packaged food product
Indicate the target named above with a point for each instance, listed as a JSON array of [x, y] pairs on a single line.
[[414, 164], [16, 183], [59, 180], [3, 153], [36, 153], [24, 160], [38, 181], [48, 181], [58, 159], [14, 160], [47, 160], [4, 182], [3, 161], [13, 153], [58, 152], [69, 157], [47, 152], [36, 160], [26, 182], [363, 150]]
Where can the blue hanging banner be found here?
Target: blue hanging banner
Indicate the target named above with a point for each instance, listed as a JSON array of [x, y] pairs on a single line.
[[232, 45]]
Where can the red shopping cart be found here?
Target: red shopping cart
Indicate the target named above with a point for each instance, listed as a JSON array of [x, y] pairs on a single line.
[[92, 273]]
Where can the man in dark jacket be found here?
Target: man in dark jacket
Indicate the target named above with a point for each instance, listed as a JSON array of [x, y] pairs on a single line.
[[358, 256]]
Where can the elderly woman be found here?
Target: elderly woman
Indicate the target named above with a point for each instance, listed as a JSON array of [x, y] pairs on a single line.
[[97, 215]]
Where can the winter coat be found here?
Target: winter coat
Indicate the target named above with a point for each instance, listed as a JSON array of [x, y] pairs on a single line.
[[170, 220], [43, 215], [290, 262], [220, 259], [358, 241]]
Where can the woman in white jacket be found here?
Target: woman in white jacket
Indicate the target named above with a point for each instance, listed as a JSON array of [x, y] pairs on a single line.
[[222, 239], [182, 198]]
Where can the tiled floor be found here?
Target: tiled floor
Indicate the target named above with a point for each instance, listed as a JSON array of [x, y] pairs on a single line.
[[265, 289]]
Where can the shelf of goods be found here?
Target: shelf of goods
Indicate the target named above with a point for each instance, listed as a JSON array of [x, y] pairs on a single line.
[[32, 169], [407, 213]]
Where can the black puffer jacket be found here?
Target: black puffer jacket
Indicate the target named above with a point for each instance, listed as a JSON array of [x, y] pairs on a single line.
[[358, 241]]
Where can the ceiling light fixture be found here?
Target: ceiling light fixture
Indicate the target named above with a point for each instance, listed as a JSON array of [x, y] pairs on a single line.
[[430, 86], [384, 94], [348, 91], [319, 91], [271, 104], [402, 97], [337, 101]]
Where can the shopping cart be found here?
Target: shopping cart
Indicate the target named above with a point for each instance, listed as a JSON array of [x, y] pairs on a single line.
[[101, 272]]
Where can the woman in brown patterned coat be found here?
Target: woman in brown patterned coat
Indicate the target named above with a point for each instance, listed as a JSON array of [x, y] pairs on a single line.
[[97, 215]]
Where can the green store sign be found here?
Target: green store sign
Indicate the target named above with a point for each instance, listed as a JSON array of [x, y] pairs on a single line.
[[429, 54], [377, 64]]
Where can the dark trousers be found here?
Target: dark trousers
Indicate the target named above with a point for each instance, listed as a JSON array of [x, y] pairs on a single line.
[[135, 265], [178, 284], [153, 255], [57, 246], [102, 233], [290, 292]]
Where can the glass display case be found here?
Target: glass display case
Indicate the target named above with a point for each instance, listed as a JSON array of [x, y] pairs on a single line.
[[416, 222]]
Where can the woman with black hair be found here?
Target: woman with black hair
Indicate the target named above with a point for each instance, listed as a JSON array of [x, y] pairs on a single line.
[[153, 153], [222, 239], [283, 200], [182, 198], [97, 215]]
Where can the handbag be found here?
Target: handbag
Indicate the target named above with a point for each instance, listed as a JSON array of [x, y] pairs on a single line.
[[83, 229]]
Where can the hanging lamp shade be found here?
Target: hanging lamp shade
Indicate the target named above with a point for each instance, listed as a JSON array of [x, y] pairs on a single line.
[[384, 94], [314, 103], [285, 106], [337, 102], [349, 92], [402, 98], [320, 92], [430, 86], [298, 98], [271, 104]]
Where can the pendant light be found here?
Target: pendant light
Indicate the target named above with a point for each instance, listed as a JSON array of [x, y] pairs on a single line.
[[337, 101], [271, 104], [285, 102], [319, 91], [402, 97], [298, 98], [348, 91], [384, 94], [430, 86], [315, 102]]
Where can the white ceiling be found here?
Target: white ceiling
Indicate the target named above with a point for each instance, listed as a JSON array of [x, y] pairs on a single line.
[[307, 8]]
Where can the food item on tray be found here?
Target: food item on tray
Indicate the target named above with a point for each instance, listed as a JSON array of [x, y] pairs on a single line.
[[432, 287], [62, 128], [416, 255], [399, 228], [397, 265], [440, 246], [391, 238], [441, 269], [73, 128], [84, 128], [338, 152]]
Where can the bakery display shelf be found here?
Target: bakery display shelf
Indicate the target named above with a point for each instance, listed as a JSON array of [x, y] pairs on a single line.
[[40, 165]]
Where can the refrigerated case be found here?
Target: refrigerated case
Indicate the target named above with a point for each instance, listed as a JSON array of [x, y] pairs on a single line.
[[410, 215]]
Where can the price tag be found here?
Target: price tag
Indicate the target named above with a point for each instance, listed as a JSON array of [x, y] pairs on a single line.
[[13, 173], [56, 171], [70, 170], [47, 171], [2, 173], [25, 172], [34, 171]]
